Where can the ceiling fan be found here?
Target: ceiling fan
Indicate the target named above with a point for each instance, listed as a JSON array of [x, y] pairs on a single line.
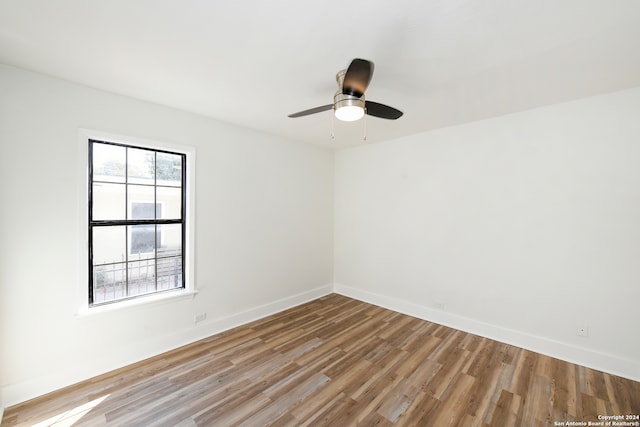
[[349, 102]]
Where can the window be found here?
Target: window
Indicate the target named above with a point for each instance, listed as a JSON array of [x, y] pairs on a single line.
[[137, 226]]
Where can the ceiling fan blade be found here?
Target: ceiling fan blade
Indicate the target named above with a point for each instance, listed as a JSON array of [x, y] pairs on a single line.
[[357, 77], [383, 111], [312, 111]]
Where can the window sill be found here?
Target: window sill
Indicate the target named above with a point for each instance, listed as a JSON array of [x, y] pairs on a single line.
[[153, 299]]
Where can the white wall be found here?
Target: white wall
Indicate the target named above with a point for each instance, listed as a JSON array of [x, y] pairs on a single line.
[[524, 227], [263, 237]]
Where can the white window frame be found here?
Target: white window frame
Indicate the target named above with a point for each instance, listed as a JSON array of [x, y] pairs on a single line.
[[189, 291]]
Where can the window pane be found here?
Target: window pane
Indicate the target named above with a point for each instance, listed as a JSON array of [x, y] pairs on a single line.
[[170, 243], [169, 201], [108, 201], [143, 241], [109, 282], [109, 162], [169, 273], [140, 166], [169, 169], [142, 275], [109, 245], [141, 202]]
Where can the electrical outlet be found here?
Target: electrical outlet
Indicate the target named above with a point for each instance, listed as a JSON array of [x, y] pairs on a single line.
[[439, 305], [583, 330], [199, 317]]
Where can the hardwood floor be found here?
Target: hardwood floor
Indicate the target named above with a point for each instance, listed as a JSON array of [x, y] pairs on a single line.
[[338, 362]]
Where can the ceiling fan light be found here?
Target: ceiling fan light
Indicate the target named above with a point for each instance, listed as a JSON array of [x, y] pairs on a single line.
[[349, 113], [348, 108]]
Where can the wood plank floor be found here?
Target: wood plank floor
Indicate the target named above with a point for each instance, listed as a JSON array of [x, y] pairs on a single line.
[[336, 361]]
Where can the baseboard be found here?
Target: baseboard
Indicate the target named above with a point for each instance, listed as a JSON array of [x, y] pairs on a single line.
[[14, 394], [259, 312], [604, 362]]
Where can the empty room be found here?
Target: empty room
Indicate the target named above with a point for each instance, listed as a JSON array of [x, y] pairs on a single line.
[[374, 213]]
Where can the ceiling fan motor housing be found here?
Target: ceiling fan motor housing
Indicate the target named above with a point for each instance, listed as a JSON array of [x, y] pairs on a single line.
[[341, 100]]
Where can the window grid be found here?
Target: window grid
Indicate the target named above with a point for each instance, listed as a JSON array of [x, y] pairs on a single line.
[[129, 222]]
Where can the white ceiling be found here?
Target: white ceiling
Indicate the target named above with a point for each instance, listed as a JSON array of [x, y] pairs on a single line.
[[442, 62]]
